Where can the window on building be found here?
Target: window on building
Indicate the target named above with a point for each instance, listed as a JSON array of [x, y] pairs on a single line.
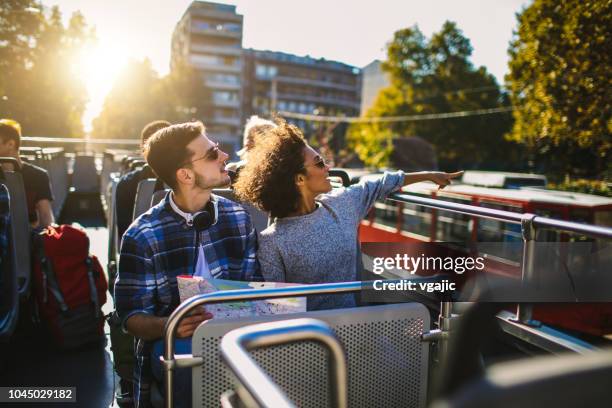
[[219, 129], [223, 78], [208, 59], [225, 113], [265, 71], [225, 96]]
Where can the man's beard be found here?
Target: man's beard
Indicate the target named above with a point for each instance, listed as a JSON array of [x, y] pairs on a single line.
[[202, 184]]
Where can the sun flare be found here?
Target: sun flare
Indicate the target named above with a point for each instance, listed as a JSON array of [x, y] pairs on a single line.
[[98, 67]]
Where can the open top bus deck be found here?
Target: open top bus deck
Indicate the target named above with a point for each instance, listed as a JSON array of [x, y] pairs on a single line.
[[427, 352]]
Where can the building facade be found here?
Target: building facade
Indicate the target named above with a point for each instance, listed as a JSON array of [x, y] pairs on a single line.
[[280, 82], [373, 80], [245, 82], [209, 38]]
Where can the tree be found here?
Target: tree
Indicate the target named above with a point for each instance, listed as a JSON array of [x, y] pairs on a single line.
[[41, 91], [20, 24], [560, 70], [140, 96], [131, 103], [436, 76]]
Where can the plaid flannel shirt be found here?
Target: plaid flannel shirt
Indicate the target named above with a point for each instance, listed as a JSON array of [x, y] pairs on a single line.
[[158, 247]]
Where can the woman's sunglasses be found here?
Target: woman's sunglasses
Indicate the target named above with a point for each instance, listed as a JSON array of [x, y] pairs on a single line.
[[319, 162]]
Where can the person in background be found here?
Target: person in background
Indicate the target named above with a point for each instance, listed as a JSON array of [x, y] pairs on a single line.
[[255, 126], [313, 238], [128, 183], [35, 179]]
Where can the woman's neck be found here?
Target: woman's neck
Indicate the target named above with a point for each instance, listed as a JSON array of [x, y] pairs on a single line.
[[305, 206]]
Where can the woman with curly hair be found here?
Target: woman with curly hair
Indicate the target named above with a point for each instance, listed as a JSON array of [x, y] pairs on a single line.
[[313, 238]]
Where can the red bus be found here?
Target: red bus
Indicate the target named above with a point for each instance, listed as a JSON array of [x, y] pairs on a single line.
[[396, 221]]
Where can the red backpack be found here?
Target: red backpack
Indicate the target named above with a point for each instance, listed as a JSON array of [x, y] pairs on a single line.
[[69, 285]]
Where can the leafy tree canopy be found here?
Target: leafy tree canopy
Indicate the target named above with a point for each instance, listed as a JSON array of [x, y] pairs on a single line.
[[37, 85], [559, 78], [140, 95], [430, 76]]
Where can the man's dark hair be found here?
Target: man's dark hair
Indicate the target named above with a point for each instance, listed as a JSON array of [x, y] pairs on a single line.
[[166, 151], [268, 178], [10, 130], [151, 128]]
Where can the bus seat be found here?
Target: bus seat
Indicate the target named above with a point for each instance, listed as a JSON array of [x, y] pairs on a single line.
[[387, 360], [20, 226], [259, 218], [342, 175], [109, 166], [9, 294], [158, 196], [85, 176], [113, 238], [572, 380], [57, 167], [144, 194]]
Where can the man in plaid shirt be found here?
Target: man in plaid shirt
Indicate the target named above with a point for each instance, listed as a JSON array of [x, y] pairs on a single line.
[[163, 243]]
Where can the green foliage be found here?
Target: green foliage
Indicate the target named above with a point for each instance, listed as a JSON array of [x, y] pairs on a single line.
[[559, 78], [140, 96], [372, 143], [584, 186], [436, 76], [37, 85]]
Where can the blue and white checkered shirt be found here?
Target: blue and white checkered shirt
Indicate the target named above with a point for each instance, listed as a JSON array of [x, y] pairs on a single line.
[[158, 247]]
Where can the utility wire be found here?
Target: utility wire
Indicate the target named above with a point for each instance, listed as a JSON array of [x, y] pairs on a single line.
[[409, 118]]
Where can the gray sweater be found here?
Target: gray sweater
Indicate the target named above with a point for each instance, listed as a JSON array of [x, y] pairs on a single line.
[[323, 246]]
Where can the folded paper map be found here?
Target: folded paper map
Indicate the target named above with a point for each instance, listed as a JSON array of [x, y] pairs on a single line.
[[190, 286]]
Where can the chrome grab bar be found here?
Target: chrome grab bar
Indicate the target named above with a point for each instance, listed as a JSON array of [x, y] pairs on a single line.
[[259, 386], [529, 224], [70, 140], [169, 362], [507, 216]]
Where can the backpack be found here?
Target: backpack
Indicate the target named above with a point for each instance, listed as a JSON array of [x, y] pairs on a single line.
[[69, 285]]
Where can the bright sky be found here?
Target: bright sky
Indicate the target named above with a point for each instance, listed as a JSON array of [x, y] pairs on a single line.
[[351, 31]]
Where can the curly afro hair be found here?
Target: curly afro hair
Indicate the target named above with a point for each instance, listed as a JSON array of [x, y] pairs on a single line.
[[268, 179]]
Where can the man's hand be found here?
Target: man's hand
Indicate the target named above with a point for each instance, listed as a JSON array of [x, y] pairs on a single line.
[[188, 324], [443, 179]]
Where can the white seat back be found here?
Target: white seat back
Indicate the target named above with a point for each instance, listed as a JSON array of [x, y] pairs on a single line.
[[144, 193], [387, 360]]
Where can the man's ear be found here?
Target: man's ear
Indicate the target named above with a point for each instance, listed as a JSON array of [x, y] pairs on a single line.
[[184, 176]]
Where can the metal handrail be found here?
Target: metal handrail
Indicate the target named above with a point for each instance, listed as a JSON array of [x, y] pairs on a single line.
[[71, 140], [257, 383], [529, 223], [170, 363], [507, 216]]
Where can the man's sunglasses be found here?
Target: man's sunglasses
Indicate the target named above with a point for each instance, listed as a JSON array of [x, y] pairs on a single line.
[[211, 154]]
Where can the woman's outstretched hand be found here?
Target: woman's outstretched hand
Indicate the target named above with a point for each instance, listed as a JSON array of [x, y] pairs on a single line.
[[443, 179]]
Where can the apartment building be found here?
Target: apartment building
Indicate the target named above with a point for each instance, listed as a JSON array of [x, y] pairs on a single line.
[[244, 82], [209, 38], [277, 81]]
